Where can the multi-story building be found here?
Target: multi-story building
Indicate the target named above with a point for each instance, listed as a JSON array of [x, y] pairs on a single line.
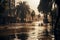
[[9, 12], [10, 7]]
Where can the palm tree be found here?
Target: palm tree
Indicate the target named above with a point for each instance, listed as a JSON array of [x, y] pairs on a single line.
[[22, 10]]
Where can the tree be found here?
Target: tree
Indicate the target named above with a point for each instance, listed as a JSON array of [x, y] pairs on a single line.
[[53, 16], [57, 26], [33, 14], [39, 16], [22, 10], [45, 7]]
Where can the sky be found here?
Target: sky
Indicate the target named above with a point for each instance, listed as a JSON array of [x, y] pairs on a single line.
[[32, 3]]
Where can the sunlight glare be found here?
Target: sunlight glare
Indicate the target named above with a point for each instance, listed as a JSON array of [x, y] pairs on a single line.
[[32, 3]]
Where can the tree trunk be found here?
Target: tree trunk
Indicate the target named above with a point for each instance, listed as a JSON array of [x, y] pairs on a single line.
[[46, 24], [22, 20], [57, 28], [32, 17]]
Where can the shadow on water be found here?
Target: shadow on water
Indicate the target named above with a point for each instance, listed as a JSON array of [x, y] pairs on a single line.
[[23, 33], [23, 36], [11, 37]]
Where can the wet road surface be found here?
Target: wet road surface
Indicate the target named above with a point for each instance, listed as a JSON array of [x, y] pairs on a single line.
[[35, 32]]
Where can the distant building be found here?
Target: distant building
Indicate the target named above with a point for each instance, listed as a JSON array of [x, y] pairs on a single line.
[[10, 7], [2, 7], [9, 13]]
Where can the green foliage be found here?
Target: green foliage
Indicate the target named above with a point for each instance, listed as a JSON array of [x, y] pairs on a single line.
[[22, 10], [45, 6]]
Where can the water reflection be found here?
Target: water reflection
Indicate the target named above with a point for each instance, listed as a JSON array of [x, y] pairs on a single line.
[[35, 32]]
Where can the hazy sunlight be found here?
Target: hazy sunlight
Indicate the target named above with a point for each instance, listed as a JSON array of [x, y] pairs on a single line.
[[32, 3]]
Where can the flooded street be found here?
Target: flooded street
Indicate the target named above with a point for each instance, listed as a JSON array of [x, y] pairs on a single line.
[[35, 32], [29, 20]]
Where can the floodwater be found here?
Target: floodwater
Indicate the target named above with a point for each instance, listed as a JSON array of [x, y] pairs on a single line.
[[36, 32]]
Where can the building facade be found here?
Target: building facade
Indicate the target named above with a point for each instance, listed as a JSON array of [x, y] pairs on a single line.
[[10, 7]]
